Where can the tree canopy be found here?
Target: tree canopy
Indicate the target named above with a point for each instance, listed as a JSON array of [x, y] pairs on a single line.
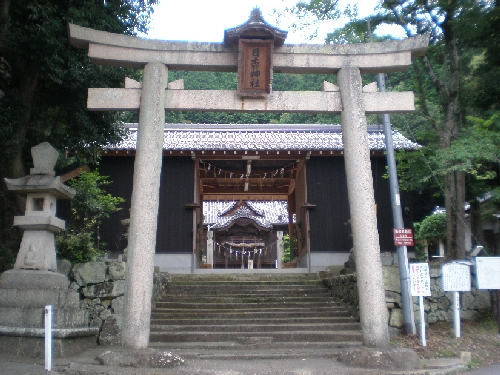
[[44, 82], [456, 97]]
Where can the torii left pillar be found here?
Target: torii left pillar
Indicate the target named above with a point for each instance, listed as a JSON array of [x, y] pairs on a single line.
[[144, 208]]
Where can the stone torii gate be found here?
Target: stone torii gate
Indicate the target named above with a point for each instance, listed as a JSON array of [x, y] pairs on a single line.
[[153, 98]]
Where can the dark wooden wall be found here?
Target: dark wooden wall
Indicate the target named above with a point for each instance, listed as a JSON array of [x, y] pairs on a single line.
[[327, 189], [175, 222], [120, 170]]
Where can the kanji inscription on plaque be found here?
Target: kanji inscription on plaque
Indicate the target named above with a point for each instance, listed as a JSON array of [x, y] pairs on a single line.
[[254, 67]]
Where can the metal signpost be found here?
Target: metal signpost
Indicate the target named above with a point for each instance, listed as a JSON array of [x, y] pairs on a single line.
[[420, 287], [456, 278]]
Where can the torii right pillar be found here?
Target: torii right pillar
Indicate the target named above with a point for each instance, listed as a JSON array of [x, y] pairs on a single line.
[[372, 307]]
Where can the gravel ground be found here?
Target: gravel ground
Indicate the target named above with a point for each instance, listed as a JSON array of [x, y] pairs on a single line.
[[481, 339]]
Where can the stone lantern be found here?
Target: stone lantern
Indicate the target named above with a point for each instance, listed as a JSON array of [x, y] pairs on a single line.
[[42, 189], [34, 282]]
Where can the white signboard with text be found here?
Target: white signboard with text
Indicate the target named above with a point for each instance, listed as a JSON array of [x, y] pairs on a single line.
[[456, 277], [488, 272], [420, 280]]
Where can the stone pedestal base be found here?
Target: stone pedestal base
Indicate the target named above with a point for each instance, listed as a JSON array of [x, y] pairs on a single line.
[[23, 297], [34, 347], [33, 279], [395, 359]]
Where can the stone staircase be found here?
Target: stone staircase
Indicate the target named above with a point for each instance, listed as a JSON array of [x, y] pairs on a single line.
[[275, 312]]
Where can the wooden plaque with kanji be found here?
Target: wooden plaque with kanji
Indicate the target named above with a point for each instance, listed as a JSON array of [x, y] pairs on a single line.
[[254, 67]]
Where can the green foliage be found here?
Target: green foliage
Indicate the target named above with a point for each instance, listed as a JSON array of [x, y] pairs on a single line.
[[433, 227], [9, 248], [420, 253], [44, 82], [91, 204], [290, 248]]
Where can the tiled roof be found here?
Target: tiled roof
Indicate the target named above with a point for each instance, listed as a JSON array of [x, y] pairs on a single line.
[[265, 213], [208, 137]]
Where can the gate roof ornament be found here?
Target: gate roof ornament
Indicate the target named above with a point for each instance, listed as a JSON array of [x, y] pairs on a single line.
[[255, 28], [256, 40]]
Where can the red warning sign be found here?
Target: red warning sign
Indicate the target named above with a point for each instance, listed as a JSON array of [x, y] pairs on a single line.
[[403, 237]]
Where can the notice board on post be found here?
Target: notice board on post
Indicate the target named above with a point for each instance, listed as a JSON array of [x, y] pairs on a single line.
[[456, 277], [488, 272], [420, 280]]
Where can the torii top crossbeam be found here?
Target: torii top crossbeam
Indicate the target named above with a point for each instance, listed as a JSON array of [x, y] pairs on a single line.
[[126, 51]]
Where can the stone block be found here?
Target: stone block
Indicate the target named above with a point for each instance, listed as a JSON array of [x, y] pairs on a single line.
[[38, 298], [392, 297], [89, 273], [117, 305], [142, 358], [391, 279], [110, 332], [116, 270], [393, 359], [27, 317], [396, 319], [34, 347], [96, 322], [30, 279], [467, 300], [44, 158], [482, 300], [467, 314], [105, 314], [432, 318], [64, 267]]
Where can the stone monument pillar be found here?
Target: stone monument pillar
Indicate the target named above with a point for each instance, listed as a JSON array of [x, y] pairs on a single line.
[[34, 281], [210, 248], [280, 249]]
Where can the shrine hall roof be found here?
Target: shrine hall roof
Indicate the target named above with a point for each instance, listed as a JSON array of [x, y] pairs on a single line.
[[310, 137], [266, 214]]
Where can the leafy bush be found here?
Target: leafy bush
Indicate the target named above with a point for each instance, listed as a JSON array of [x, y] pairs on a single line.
[[81, 242], [290, 248], [433, 227]]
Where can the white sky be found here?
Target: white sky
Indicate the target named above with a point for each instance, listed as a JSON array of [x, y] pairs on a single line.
[[206, 20]]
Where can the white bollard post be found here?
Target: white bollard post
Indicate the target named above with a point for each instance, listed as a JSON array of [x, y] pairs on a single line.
[[48, 337], [456, 313], [423, 341]]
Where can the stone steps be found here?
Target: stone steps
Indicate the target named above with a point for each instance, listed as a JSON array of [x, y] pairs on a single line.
[[332, 337], [283, 313], [255, 327], [275, 290], [289, 310], [232, 320]]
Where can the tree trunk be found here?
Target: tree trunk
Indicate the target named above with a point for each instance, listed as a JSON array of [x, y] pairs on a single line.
[[454, 188], [27, 75]]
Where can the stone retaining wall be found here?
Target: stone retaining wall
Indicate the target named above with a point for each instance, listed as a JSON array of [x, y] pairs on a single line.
[[437, 307], [101, 286]]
